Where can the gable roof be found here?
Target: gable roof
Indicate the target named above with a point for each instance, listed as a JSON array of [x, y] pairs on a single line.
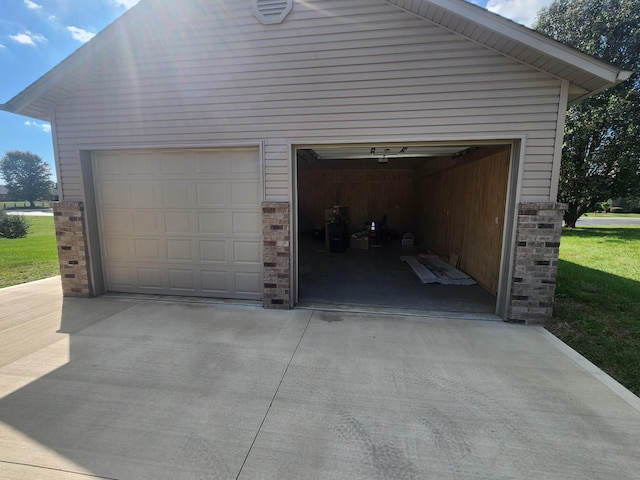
[[586, 74]]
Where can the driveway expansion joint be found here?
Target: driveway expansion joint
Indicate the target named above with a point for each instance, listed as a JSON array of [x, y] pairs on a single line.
[[275, 394]]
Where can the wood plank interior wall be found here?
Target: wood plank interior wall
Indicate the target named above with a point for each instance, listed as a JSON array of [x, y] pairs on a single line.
[[369, 194], [461, 208]]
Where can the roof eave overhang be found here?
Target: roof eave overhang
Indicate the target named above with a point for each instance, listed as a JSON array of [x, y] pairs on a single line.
[[601, 75], [581, 94], [39, 99]]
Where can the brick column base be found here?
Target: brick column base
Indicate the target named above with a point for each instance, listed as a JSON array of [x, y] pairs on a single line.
[[276, 254], [72, 248], [536, 262]]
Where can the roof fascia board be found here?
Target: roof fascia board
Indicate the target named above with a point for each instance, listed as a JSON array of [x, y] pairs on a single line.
[[67, 66], [40, 86], [522, 34]]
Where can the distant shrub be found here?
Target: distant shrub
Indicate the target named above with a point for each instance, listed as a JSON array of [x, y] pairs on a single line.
[[616, 210], [13, 226]]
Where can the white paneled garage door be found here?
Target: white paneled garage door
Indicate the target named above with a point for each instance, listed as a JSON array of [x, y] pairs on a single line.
[[180, 222]]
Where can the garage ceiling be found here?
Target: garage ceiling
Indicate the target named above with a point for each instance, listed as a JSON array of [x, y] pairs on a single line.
[[372, 156]]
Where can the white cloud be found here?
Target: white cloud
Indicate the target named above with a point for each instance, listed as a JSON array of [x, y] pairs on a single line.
[[2, 46], [80, 34], [32, 5], [521, 11], [45, 127], [125, 3], [27, 38]]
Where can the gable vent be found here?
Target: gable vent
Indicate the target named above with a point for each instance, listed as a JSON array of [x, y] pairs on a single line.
[[271, 11]]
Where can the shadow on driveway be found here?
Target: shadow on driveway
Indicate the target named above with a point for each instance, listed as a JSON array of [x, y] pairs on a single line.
[[158, 390]]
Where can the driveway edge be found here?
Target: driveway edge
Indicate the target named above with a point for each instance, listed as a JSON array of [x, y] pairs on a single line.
[[616, 387]]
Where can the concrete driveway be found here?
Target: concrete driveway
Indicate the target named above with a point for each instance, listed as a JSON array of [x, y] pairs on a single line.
[[116, 388]]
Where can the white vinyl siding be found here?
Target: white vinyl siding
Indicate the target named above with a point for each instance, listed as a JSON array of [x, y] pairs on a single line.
[[334, 70]]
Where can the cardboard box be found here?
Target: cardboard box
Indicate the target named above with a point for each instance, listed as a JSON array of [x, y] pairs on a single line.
[[359, 243]]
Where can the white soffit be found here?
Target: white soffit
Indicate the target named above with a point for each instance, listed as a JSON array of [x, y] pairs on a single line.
[[271, 11]]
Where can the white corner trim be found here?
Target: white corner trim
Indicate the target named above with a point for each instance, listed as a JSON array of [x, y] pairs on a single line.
[[559, 140]]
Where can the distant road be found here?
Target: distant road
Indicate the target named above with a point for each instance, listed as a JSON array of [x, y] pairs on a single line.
[[605, 221], [31, 213]]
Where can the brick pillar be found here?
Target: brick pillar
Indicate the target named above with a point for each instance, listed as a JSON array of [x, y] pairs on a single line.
[[276, 253], [536, 262], [72, 248]]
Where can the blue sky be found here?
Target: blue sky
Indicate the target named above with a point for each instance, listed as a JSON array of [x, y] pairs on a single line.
[[36, 35]]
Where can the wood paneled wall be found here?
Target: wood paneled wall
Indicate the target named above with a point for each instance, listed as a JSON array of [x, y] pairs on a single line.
[[461, 208], [369, 193]]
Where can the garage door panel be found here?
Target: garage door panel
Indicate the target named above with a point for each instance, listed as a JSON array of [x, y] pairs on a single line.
[[181, 280], [150, 278], [213, 251], [247, 282], [214, 281], [120, 276], [241, 164], [114, 194], [246, 223], [181, 222], [149, 249], [213, 223], [147, 222], [244, 194], [110, 164], [117, 248], [117, 222], [144, 194], [247, 252], [140, 164], [177, 195], [172, 164], [178, 222], [180, 250], [214, 194], [217, 165]]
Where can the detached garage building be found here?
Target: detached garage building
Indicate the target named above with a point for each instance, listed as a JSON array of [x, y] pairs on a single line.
[[198, 142]]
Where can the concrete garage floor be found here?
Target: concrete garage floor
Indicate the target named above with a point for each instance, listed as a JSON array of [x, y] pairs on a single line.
[[138, 389], [377, 277]]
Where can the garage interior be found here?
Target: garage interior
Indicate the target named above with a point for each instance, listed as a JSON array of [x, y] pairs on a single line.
[[442, 205]]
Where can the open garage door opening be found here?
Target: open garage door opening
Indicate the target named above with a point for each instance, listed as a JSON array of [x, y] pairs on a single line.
[[416, 227]]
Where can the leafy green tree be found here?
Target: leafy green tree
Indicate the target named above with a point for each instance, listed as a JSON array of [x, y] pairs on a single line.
[[26, 175], [601, 154]]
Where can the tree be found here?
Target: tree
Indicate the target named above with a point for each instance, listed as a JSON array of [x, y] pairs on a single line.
[[601, 153], [27, 176]]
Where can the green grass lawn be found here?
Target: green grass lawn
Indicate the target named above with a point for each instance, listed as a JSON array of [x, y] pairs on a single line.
[[597, 309], [31, 258]]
